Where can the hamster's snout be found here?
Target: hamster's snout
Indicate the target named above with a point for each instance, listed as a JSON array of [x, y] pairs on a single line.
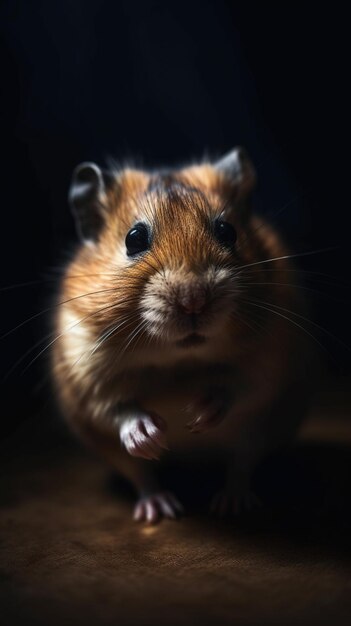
[[179, 304], [190, 304], [192, 300]]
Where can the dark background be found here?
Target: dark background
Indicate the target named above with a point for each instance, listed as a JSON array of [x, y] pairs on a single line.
[[162, 83]]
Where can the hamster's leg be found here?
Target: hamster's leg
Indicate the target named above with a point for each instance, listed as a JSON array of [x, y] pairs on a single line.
[[217, 405], [132, 462], [153, 503], [143, 435], [237, 496], [261, 430]]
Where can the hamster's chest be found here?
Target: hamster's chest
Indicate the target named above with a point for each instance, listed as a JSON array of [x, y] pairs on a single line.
[[170, 392], [173, 384]]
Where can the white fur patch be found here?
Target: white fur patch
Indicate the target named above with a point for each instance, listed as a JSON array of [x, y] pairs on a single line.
[[76, 339], [159, 301]]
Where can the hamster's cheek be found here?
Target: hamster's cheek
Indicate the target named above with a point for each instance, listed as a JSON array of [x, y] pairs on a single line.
[[75, 339]]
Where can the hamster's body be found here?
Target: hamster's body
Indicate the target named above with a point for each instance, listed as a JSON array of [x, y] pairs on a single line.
[[182, 321]]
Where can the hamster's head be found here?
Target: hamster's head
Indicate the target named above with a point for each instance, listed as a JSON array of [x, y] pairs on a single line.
[[162, 252]]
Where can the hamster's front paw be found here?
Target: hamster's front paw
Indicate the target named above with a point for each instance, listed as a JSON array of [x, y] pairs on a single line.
[[144, 435], [208, 411]]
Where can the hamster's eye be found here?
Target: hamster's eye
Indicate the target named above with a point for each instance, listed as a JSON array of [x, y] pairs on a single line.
[[137, 239], [225, 233]]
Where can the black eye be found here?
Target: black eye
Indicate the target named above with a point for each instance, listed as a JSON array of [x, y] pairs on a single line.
[[225, 233], [137, 239]]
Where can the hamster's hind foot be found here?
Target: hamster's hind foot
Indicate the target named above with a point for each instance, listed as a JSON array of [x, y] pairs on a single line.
[[154, 507], [228, 503]]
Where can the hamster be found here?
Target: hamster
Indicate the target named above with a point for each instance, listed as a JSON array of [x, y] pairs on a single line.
[[173, 331]]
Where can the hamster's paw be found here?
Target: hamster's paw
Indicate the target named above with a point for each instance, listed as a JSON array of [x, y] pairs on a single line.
[[209, 412], [153, 508], [230, 504], [144, 436]]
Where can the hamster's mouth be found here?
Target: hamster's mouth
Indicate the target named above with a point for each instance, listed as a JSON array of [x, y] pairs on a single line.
[[194, 339]]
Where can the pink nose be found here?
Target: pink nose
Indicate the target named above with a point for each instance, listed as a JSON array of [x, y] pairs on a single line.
[[192, 301]]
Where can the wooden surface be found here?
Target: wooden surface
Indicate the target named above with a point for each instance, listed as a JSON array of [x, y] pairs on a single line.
[[70, 552]]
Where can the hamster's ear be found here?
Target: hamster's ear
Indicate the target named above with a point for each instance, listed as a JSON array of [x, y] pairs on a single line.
[[237, 170], [87, 198]]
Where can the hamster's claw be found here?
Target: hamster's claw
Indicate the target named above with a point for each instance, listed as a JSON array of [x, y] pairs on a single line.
[[209, 413], [144, 436], [153, 508]]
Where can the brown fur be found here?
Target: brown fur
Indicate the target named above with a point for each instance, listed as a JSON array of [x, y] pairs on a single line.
[[101, 287]]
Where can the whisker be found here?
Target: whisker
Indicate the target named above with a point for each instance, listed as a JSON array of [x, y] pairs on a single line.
[[271, 218], [296, 286], [91, 352], [23, 356], [236, 316], [288, 256], [292, 322], [153, 267], [141, 334], [41, 281], [55, 306], [131, 337], [65, 332], [113, 330], [306, 319], [298, 271]]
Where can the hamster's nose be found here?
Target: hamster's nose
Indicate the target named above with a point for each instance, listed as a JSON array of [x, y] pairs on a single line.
[[193, 300]]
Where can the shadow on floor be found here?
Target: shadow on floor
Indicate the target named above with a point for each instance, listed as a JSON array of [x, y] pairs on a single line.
[[305, 493], [72, 554]]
